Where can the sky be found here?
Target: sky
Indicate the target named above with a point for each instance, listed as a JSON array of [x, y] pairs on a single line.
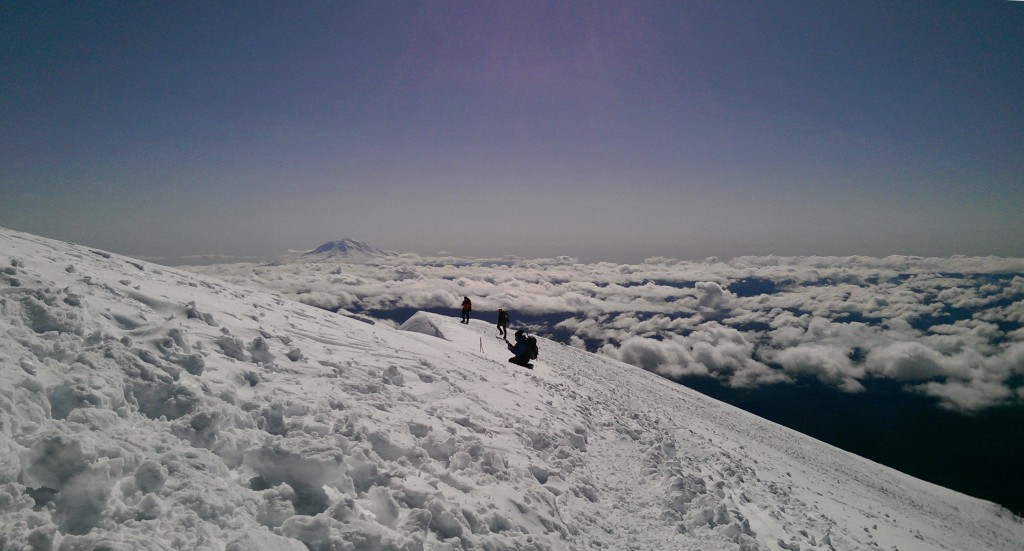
[[603, 130]]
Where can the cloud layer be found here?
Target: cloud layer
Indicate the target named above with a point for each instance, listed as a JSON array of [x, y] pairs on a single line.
[[948, 328]]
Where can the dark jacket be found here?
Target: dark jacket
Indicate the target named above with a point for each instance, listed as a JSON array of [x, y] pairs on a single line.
[[520, 348]]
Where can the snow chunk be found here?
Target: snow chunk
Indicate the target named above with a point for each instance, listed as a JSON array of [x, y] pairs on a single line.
[[264, 541], [304, 466], [420, 322]]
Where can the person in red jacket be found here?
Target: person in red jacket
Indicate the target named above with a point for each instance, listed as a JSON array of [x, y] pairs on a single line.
[[467, 307]]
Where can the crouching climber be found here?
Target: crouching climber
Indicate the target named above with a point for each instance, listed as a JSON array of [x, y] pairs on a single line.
[[525, 349]]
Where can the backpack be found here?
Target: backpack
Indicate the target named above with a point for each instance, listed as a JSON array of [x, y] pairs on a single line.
[[531, 347]]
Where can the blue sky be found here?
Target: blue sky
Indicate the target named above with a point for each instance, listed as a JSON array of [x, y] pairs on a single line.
[[603, 130]]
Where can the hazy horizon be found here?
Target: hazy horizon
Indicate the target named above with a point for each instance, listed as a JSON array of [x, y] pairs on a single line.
[[255, 254]]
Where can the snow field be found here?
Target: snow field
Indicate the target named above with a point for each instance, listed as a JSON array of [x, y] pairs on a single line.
[[143, 407]]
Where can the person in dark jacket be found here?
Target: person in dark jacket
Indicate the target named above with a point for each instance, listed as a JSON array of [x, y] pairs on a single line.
[[467, 307], [521, 349], [503, 323]]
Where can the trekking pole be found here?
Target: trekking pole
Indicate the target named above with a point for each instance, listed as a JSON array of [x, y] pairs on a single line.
[[481, 344]]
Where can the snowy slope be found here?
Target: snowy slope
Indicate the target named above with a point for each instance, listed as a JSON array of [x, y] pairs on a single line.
[[143, 407]]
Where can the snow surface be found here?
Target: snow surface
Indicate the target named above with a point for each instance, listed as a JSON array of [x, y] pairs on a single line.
[[144, 407]]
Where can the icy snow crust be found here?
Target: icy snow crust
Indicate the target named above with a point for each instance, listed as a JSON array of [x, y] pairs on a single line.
[[144, 407]]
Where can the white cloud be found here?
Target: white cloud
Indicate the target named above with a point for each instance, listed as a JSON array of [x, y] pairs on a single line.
[[906, 361], [668, 357], [327, 301], [577, 342], [714, 350], [1011, 312], [1014, 356], [839, 319], [829, 364], [714, 301], [755, 374], [966, 396]]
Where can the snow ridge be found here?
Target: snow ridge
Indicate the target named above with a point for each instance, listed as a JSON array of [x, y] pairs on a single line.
[[144, 407]]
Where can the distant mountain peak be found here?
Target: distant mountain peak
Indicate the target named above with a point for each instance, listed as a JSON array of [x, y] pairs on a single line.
[[348, 247]]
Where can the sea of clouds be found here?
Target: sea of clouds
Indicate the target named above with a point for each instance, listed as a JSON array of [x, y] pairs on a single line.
[[948, 328]]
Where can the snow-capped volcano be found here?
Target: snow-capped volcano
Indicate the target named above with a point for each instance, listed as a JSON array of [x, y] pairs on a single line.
[[346, 247], [145, 407]]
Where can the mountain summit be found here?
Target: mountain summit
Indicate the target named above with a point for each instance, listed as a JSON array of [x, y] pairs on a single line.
[[348, 247], [146, 407]]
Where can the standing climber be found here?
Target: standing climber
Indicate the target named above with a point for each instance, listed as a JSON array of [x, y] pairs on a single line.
[[502, 323], [467, 307]]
